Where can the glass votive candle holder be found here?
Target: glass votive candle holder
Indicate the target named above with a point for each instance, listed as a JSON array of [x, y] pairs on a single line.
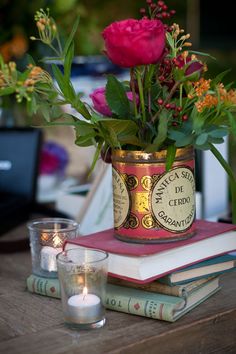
[[47, 236], [82, 273]]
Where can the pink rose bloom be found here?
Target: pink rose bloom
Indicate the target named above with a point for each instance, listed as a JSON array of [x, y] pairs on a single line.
[[132, 42], [99, 101]]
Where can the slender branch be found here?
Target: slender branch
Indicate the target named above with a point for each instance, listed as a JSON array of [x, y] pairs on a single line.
[[181, 95], [141, 94], [231, 176], [132, 83], [174, 88]]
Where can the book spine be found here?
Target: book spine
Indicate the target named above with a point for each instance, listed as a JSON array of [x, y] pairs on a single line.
[[137, 305], [44, 286], [154, 287]]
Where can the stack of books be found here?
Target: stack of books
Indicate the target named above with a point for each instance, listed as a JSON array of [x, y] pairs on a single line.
[[161, 281]]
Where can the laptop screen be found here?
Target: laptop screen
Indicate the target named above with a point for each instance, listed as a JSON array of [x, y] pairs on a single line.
[[19, 159]]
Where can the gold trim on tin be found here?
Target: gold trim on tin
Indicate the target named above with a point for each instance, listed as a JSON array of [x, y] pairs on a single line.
[[147, 157]]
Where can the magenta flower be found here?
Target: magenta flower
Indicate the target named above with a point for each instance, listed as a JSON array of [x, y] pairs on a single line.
[[100, 104], [132, 42]]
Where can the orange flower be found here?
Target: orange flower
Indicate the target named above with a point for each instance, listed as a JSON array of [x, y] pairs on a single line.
[[207, 102], [227, 96], [202, 86]]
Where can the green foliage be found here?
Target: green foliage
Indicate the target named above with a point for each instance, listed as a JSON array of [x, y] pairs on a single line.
[[167, 113], [116, 97]]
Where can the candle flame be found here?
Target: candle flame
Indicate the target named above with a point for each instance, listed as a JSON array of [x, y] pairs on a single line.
[[44, 236], [56, 241]]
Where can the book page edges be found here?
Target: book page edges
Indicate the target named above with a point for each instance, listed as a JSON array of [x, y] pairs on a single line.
[[141, 270], [202, 271]]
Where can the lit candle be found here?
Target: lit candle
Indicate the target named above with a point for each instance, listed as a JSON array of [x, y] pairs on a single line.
[[48, 259], [84, 308], [48, 254]]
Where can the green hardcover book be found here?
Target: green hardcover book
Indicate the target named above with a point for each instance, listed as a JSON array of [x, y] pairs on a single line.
[[157, 306], [43, 286], [137, 302]]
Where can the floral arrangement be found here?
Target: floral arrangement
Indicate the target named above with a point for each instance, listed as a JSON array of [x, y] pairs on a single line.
[[169, 101]]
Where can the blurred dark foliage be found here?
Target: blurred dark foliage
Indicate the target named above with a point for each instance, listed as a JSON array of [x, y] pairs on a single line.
[[17, 22]]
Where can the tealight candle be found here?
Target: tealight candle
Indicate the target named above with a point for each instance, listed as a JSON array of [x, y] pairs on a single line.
[[48, 258], [84, 308]]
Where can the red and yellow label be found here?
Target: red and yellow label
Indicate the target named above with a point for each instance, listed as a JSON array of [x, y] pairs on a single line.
[[152, 204]]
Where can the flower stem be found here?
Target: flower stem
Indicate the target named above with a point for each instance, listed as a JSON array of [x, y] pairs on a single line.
[[133, 92], [181, 95], [232, 180], [174, 88], [141, 95]]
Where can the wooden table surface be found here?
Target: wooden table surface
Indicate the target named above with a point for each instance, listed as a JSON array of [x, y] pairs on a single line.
[[33, 324]]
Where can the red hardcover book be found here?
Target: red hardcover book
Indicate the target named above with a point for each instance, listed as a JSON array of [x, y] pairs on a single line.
[[143, 263]]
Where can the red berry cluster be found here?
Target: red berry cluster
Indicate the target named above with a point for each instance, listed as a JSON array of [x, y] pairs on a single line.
[[165, 72], [158, 10], [179, 61], [177, 116]]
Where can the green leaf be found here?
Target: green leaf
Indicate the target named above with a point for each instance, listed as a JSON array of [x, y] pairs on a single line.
[[185, 141], [59, 77], [202, 54], [32, 106], [218, 133], [202, 139], [70, 38], [116, 97], [83, 128], [176, 135], [162, 132], [219, 77], [215, 140], [6, 91], [30, 59], [96, 156], [81, 108], [64, 85], [85, 140], [205, 146], [68, 62], [45, 112], [170, 157], [179, 75], [170, 40]]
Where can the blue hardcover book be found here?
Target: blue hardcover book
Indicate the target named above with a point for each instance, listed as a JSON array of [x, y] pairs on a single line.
[[211, 267]]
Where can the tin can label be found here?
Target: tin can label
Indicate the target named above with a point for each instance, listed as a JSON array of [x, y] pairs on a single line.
[[121, 198], [173, 199]]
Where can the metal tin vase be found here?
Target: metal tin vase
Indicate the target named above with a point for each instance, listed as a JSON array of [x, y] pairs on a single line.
[[151, 204]]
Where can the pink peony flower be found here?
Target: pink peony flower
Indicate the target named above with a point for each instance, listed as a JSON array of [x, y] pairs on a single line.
[[99, 101], [132, 42], [100, 104]]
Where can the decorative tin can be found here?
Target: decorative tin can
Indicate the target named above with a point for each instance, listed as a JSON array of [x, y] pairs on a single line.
[[151, 204]]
